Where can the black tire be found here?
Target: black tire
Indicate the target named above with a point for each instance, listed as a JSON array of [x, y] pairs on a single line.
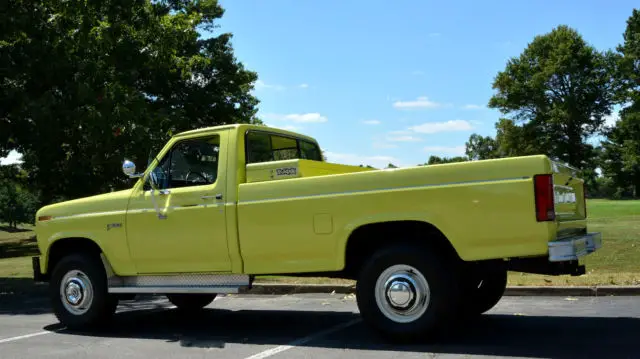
[[191, 302], [440, 276], [96, 305], [483, 289]]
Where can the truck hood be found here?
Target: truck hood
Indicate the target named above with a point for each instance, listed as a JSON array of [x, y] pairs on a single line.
[[106, 202]]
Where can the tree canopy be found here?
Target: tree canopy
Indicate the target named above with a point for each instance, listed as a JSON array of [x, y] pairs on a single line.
[[621, 148], [557, 94], [87, 83]]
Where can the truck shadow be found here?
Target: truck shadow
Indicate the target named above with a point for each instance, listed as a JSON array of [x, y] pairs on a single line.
[[492, 335], [20, 296], [24, 247], [14, 230]]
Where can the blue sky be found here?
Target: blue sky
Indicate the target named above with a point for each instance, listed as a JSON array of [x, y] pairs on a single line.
[[378, 83]]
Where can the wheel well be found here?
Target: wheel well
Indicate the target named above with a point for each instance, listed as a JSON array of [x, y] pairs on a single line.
[[65, 246], [367, 239]]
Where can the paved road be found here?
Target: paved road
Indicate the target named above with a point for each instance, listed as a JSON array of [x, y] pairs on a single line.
[[324, 326]]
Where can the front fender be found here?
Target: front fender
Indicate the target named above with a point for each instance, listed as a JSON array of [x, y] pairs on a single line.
[[112, 241]]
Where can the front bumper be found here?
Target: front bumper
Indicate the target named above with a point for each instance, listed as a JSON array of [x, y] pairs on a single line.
[[573, 248]]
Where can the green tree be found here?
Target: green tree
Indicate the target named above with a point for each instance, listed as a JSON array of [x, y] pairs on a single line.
[[17, 204], [481, 147], [621, 148], [557, 94], [628, 62], [519, 140], [86, 84], [434, 160]]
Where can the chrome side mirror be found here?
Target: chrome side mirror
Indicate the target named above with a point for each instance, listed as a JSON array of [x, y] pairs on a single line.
[[129, 169]]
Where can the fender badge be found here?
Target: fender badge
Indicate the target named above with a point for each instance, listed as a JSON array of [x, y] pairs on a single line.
[[113, 225]]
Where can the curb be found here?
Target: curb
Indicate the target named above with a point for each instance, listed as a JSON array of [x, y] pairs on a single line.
[[575, 291]]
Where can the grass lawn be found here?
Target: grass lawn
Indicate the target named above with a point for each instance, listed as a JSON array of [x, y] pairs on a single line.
[[616, 263]]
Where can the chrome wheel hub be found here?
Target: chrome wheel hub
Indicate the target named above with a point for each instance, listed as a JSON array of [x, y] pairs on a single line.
[[402, 293], [76, 292]]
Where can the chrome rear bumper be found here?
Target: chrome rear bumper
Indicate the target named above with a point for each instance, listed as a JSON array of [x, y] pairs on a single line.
[[573, 248]]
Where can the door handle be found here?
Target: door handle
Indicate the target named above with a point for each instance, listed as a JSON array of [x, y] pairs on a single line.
[[217, 196]]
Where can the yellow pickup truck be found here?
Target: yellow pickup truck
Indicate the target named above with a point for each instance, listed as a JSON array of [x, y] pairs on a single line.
[[218, 206]]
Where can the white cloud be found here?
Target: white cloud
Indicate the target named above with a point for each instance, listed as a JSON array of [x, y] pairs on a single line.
[[311, 117], [420, 102], [436, 127], [303, 86], [400, 132], [261, 85], [407, 138], [473, 107], [371, 122], [356, 160], [435, 34], [12, 158], [444, 150], [611, 119]]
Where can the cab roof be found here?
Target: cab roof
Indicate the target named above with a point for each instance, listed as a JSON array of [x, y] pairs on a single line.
[[243, 127]]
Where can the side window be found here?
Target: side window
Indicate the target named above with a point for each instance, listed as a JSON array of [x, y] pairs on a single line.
[[189, 163], [265, 147], [310, 151], [258, 147]]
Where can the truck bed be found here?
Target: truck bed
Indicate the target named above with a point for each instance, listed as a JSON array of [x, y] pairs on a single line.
[[486, 209]]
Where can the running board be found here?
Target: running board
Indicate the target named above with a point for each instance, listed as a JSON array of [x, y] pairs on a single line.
[[176, 290], [181, 283]]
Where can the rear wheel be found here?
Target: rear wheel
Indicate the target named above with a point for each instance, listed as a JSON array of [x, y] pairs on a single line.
[[483, 289], [407, 291], [78, 292], [191, 302]]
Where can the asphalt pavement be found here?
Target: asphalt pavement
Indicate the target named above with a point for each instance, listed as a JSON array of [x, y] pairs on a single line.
[[324, 326]]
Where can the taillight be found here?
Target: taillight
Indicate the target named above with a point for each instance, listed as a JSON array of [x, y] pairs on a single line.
[[545, 209]]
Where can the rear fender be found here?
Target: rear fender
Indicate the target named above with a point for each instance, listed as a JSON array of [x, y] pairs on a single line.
[[428, 218]]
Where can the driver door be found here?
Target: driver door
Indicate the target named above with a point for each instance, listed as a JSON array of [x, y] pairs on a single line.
[[180, 227]]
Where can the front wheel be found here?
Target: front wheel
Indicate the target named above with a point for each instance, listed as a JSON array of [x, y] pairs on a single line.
[[407, 291], [79, 293]]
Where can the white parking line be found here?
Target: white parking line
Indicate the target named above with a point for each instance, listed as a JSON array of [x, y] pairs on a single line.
[[273, 351], [13, 339], [27, 336]]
